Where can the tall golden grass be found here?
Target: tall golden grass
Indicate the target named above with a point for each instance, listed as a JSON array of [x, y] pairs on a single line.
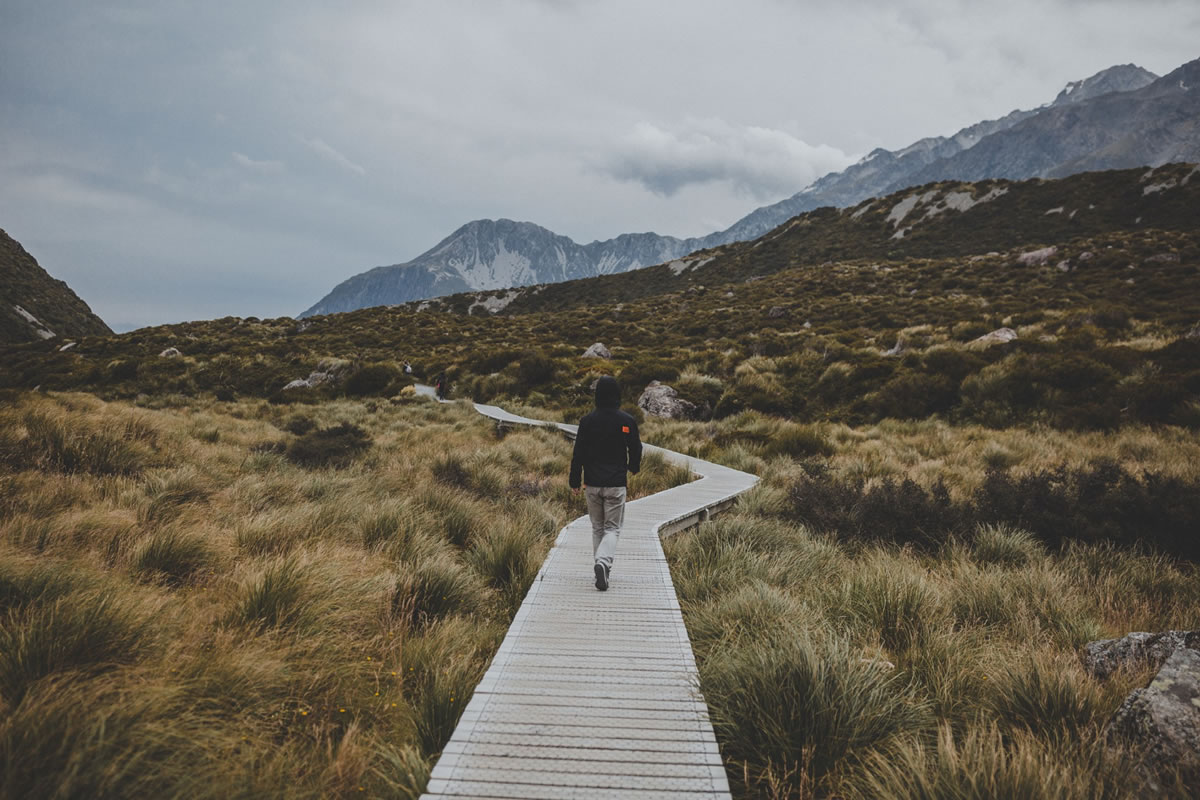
[[186, 612]]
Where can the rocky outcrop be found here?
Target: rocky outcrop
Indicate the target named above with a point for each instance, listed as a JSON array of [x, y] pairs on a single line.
[[1037, 258], [660, 400], [1136, 650], [1162, 721], [597, 350], [998, 336], [329, 370], [170, 352]]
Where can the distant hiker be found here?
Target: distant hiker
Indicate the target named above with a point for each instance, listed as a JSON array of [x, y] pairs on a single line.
[[606, 447], [439, 384]]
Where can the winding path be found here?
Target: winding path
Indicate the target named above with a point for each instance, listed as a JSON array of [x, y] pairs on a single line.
[[595, 694]]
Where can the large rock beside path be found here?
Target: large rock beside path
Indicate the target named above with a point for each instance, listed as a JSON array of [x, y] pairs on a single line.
[[660, 400], [1162, 721], [1136, 650], [597, 350]]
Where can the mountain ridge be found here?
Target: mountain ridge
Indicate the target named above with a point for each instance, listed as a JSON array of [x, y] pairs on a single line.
[[433, 273]]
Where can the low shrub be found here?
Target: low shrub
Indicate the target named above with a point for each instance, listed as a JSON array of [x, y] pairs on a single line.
[[371, 379], [336, 446]]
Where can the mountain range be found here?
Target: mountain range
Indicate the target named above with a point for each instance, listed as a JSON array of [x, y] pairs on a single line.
[[34, 305], [1124, 116]]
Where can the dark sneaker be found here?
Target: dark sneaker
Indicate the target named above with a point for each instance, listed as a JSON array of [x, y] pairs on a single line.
[[601, 577]]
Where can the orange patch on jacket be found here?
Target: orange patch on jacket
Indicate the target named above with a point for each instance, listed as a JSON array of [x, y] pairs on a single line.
[[624, 429]]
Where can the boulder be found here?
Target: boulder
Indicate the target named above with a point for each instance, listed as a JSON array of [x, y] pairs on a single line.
[[170, 352], [660, 400], [66, 347], [776, 312], [1162, 721], [1106, 656], [1194, 333], [1037, 258], [597, 351], [1163, 258], [299, 383], [998, 336]]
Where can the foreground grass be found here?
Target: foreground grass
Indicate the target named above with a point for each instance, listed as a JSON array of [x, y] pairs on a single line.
[[191, 605], [854, 666]]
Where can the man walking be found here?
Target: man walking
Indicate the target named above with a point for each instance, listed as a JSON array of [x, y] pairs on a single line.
[[606, 447]]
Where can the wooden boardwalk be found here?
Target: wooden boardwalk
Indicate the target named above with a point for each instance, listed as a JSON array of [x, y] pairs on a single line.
[[595, 694]]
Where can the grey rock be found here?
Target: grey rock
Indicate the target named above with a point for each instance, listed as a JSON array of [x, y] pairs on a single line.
[[1194, 333], [1037, 258], [1162, 721], [1163, 258], [1064, 265], [660, 400], [597, 350], [170, 352], [998, 336], [1103, 658], [299, 383], [776, 312], [66, 347]]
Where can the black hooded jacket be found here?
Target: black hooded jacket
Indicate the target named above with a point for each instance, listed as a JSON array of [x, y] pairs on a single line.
[[607, 443]]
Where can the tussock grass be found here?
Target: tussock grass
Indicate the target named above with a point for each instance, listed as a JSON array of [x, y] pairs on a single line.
[[77, 633], [984, 763], [434, 588], [980, 626], [220, 621], [791, 713], [172, 556]]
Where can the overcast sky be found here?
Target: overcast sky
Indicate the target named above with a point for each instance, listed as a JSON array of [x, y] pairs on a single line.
[[177, 160]]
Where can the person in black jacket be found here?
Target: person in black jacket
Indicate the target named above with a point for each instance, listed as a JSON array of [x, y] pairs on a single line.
[[606, 448]]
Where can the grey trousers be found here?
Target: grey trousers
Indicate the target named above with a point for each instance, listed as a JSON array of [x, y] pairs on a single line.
[[606, 507]]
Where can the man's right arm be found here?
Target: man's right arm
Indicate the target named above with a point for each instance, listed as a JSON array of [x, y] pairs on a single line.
[[576, 476]]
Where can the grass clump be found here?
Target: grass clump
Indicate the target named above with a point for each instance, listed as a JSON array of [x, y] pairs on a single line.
[[274, 597], [336, 446], [791, 713], [82, 633], [172, 556], [434, 588]]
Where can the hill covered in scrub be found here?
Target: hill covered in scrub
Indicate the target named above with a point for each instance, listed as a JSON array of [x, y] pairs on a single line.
[[939, 220], [1094, 280], [1121, 117], [35, 306]]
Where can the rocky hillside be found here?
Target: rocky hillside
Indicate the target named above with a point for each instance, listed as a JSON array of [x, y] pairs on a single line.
[[939, 220], [500, 254], [34, 306], [1156, 124], [494, 254]]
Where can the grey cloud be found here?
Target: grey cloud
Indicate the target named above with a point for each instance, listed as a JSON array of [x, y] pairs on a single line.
[[760, 162]]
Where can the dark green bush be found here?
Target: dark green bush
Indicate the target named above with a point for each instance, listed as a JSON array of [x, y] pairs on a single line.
[[372, 379], [336, 446]]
